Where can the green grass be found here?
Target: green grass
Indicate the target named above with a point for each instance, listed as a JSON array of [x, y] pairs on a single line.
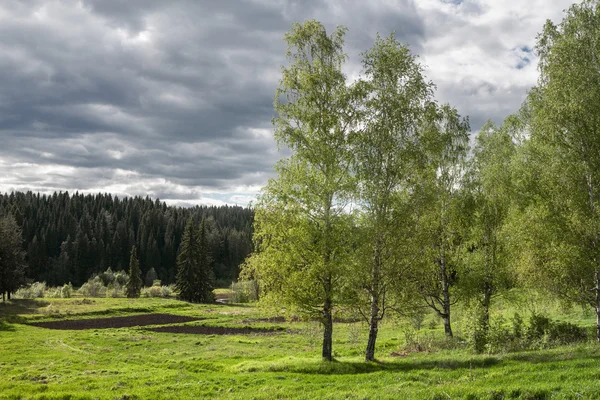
[[131, 363]]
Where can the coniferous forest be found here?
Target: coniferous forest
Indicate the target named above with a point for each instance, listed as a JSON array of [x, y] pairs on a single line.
[[70, 237]]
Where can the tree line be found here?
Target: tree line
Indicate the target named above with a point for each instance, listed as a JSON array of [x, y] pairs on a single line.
[[68, 238], [385, 206]]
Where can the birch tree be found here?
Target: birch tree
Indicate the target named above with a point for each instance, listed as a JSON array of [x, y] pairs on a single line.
[[560, 224], [445, 147], [394, 95], [302, 224]]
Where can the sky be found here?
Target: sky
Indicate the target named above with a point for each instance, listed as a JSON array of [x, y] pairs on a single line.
[[174, 99]]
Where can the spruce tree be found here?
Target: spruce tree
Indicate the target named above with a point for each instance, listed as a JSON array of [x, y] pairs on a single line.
[[205, 278], [12, 257], [133, 287], [194, 275]]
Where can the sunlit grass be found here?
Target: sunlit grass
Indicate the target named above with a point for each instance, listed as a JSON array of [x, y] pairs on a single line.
[[124, 363]]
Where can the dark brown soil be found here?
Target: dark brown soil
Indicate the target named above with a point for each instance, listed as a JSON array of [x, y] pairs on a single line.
[[214, 330], [116, 322]]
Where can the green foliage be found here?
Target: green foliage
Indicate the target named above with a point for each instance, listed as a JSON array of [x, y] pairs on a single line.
[[151, 276], [392, 99], [12, 258], [107, 277], [68, 237], [121, 278], [134, 285], [34, 291], [302, 232], [556, 226], [194, 274], [157, 291], [94, 287], [441, 207], [502, 336], [244, 292]]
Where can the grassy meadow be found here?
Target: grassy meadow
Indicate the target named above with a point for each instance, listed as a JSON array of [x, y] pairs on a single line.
[[414, 361]]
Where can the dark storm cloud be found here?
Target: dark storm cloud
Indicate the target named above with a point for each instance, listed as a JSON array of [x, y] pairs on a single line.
[[173, 99], [148, 96]]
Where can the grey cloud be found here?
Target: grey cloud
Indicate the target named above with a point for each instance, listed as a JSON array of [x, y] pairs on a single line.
[[166, 97]]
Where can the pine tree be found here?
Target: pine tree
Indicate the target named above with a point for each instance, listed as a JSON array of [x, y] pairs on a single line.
[[134, 284], [194, 275], [205, 279], [12, 257]]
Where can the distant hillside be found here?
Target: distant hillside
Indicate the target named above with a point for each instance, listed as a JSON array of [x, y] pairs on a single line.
[[70, 237]]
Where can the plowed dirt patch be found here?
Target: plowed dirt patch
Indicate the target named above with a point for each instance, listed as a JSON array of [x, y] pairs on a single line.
[[214, 330], [116, 322]]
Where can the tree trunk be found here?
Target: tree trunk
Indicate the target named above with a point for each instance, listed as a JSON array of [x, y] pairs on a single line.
[[447, 327], [487, 300], [446, 297], [375, 287], [327, 331], [373, 329], [597, 278], [3, 297], [8, 295]]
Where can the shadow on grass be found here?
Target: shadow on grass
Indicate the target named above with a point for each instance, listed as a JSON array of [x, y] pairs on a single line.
[[12, 311], [316, 367], [359, 367], [582, 353], [4, 327]]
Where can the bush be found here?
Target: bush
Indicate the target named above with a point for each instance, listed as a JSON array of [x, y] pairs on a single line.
[[34, 291], [539, 325], [114, 290], [244, 291], [543, 329], [121, 277], [500, 337], [66, 291], [166, 291], [53, 292], [157, 291], [107, 277], [540, 332], [476, 335], [93, 288]]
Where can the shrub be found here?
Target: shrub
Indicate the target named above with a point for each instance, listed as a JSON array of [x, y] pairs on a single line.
[[500, 337], [114, 290], [33, 291], [107, 277], [53, 292], [166, 291], [157, 291], [244, 291], [121, 277], [93, 288], [517, 326], [476, 335], [153, 291], [538, 326], [66, 291]]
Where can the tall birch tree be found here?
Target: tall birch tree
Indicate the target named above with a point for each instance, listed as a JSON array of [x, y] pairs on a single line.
[[394, 95], [302, 224], [445, 148], [560, 225]]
